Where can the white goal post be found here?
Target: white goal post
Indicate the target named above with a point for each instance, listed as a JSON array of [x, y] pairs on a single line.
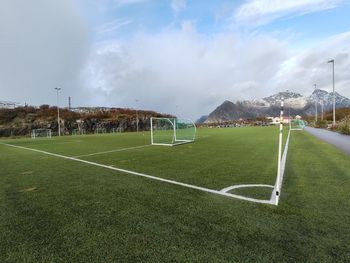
[[100, 130], [172, 131], [78, 132], [41, 133]]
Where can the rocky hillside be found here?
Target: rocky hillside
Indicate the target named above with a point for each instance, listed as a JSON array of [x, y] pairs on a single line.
[[21, 120], [295, 104]]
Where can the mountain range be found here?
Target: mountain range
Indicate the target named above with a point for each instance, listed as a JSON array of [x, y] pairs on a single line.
[[294, 104]]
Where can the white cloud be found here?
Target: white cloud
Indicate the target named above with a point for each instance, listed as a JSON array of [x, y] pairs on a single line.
[[178, 5], [112, 25], [310, 66], [189, 74], [264, 11], [127, 2], [43, 45], [183, 71], [105, 6]]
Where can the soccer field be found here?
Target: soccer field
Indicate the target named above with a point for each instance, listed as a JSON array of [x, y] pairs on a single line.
[[219, 158], [60, 209]]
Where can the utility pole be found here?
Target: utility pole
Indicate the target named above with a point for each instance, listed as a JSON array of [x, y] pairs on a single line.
[[137, 118], [316, 102], [332, 61], [58, 111]]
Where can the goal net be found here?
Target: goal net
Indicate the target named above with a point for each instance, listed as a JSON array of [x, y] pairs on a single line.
[[100, 131], [43, 133], [78, 132], [297, 124], [172, 131]]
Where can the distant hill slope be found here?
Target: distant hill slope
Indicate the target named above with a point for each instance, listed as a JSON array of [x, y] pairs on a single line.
[[20, 121], [202, 119], [295, 104]]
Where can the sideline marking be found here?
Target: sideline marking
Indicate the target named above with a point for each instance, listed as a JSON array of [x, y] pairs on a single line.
[[274, 198], [111, 151], [75, 141], [203, 189], [227, 189]]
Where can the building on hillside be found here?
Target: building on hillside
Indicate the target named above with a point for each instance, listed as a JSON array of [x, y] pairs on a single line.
[[273, 120], [276, 120], [9, 104]]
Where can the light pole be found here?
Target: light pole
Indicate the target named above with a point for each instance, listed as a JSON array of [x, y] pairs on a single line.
[[316, 102], [137, 118], [58, 111], [332, 61], [322, 102]]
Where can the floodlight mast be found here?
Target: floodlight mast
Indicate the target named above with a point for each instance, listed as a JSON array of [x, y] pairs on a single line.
[[58, 111], [278, 179], [332, 61], [137, 118], [152, 130]]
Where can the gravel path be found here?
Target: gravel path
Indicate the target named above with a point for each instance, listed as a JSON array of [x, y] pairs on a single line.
[[338, 140]]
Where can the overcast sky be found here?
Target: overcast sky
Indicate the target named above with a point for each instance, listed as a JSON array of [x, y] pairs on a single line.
[[174, 56]]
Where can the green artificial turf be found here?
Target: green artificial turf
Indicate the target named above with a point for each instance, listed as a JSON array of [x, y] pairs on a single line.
[[219, 158], [58, 210], [263, 193]]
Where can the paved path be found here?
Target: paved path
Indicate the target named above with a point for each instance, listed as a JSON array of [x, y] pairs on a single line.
[[340, 141]]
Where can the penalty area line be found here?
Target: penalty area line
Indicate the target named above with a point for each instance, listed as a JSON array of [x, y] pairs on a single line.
[[112, 151], [203, 189]]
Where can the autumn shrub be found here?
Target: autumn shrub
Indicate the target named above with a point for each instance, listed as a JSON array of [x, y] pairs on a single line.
[[344, 125]]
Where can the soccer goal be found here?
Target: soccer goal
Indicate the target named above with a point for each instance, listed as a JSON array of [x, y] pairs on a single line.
[[116, 130], [297, 125], [172, 131], [78, 132], [36, 133], [100, 131]]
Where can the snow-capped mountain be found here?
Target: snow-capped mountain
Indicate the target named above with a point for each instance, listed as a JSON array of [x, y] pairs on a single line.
[[327, 99], [295, 103], [294, 100]]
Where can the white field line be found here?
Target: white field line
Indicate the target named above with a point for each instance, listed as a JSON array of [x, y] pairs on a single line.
[[227, 189], [274, 198], [111, 151], [284, 160], [53, 142], [163, 144], [203, 189], [75, 141]]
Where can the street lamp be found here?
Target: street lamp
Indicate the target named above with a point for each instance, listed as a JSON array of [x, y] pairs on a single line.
[[137, 118], [332, 61], [316, 102], [58, 111]]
